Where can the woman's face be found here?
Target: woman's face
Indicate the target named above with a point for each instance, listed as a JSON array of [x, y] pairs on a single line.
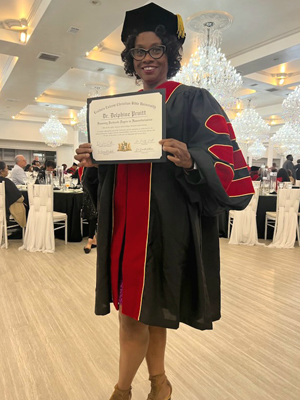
[[153, 72], [4, 172]]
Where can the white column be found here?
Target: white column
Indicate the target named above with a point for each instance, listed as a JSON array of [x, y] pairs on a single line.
[[75, 141], [270, 154], [65, 155]]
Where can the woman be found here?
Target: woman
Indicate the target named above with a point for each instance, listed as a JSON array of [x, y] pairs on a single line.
[[158, 261], [13, 198], [89, 212]]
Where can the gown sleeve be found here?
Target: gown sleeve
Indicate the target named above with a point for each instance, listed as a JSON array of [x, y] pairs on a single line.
[[222, 178]]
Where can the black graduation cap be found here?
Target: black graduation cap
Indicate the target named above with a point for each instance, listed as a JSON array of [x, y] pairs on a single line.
[[254, 168], [148, 17]]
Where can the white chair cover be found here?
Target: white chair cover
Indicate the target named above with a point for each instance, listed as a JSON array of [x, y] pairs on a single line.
[[286, 218], [39, 234], [244, 228]]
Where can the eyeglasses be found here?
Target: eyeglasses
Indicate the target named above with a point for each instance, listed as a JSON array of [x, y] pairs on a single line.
[[155, 52]]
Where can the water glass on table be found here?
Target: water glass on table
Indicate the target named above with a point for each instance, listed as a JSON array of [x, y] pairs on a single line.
[[56, 182], [67, 182]]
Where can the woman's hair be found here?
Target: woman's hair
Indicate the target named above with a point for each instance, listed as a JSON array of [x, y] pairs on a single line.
[[50, 163], [173, 52], [2, 165], [282, 173]]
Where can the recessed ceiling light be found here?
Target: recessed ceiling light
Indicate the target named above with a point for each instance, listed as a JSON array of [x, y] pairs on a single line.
[[23, 37]]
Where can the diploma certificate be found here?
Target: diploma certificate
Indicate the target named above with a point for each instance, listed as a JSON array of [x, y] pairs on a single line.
[[127, 128]]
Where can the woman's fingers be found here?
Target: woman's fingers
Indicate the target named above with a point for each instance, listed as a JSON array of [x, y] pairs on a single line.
[[84, 148], [180, 155], [83, 155], [85, 145], [172, 150]]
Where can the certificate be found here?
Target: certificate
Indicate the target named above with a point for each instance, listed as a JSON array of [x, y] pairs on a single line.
[[126, 128]]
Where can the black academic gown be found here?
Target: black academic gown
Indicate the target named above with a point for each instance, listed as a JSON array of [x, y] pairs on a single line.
[[181, 273], [12, 194]]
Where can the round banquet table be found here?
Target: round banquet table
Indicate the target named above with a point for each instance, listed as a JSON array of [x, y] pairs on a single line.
[[265, 203], [69, 202]]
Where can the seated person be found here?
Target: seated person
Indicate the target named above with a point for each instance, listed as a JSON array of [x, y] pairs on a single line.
[[18, 175], [65, 168], [282, 175], [297, 170], [73, 169], [13, 198], [36, 165], [28, 168], [254, 173], [49, 166], [290, 174]]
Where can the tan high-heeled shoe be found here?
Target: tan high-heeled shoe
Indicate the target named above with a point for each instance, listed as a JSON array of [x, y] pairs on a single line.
[[119, 394], [157, 383]]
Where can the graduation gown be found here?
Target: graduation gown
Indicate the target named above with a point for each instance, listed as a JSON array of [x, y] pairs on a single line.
[[157, 227]]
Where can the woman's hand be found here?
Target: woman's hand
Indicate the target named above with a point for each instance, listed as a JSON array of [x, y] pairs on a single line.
[[83, 155], [181, 156]]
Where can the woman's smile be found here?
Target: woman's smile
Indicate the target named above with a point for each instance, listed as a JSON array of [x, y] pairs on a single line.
[[153, 72]]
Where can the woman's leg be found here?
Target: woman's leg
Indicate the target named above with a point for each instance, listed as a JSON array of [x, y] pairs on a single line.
[[155, 357], [92, 237], [134, 341]]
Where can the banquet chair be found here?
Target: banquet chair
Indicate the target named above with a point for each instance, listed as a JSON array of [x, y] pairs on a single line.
[[244, 228], [285, 220], [60, 221], [3, 221], [256, 185], [83, 221], [41, 222]]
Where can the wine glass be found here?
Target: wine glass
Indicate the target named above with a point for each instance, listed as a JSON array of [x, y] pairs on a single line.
[[67, 183], [55, 182]]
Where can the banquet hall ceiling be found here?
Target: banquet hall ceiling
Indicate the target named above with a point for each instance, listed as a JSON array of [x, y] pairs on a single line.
[[262, 41]]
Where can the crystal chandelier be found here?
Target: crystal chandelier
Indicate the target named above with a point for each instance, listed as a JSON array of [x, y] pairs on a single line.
[[287, 140], [291, 109], [94, 91], [53, 132], [257, 149], [82, 124], [249, 126], [208, 68]]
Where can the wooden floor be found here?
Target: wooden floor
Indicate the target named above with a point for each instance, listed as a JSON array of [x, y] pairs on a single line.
[[53, 347]]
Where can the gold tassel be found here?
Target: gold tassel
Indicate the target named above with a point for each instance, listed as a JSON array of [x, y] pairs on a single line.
[[180, 30]]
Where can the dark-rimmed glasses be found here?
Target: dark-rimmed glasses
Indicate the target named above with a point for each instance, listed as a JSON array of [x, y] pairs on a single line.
[[155, 52]]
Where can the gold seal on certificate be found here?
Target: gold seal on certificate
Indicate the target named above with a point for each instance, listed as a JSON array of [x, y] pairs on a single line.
[[127, 128]]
